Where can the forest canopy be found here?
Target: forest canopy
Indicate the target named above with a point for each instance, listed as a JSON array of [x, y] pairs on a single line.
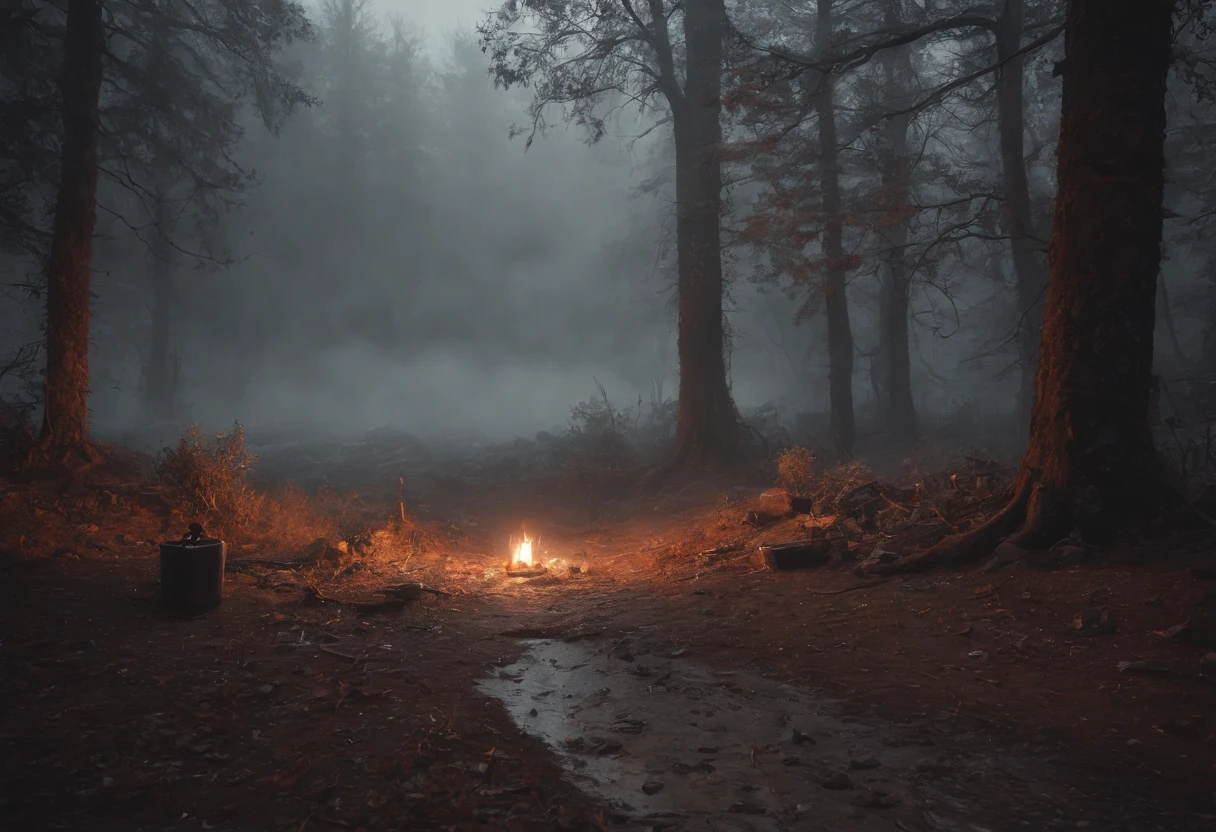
[[292, 195]]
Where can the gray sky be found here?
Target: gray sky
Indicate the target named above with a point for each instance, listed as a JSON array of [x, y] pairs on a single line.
[[438, 17]]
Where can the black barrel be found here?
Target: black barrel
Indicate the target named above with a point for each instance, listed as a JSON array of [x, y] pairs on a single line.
[[192, 576]]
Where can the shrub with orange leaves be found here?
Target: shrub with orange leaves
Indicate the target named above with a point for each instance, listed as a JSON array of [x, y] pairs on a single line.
[[795, 469]]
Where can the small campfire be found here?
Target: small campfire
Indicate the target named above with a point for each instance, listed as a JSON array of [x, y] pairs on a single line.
[[522, 564]]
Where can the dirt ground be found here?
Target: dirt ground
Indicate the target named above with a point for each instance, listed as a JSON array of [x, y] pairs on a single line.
[[282, 712]]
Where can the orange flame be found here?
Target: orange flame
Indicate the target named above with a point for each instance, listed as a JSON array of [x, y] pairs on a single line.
[[523, 551]]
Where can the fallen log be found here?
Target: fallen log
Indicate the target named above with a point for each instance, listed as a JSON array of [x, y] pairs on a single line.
[[797, 554], [519, 570], [404, 592], [802, 505]]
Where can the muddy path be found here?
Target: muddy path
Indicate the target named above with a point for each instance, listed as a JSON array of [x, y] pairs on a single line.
[[682, 744]]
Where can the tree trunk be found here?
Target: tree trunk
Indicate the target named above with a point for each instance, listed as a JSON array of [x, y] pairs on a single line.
[[901, 409], [878, 358], [1019, 218], [1091, 465], [707, 424], [65, 425], [836, 302], [160, 383]]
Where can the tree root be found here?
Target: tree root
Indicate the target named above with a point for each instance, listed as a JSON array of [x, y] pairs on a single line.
[[970, 545], [653, 479], [1039, 515], [64, 465], [686, 461], [691, 460]]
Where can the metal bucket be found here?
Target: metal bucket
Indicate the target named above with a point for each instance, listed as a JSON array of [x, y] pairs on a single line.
[[192, 576]]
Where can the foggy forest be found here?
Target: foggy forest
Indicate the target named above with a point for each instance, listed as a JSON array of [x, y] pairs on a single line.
[[676, 415]]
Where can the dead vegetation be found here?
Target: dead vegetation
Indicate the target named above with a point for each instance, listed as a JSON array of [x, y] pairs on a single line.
[[604, 447], [597, 449], [846, 516], [207, 478], [795, 470]]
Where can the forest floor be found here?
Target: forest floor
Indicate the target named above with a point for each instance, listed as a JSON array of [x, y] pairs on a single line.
[[669, 682]]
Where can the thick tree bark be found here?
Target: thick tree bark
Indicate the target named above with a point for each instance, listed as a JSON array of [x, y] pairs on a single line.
[[1019, 218], [836, 302], [901, 409], [65, 425], [707, 423], [1091, 465]]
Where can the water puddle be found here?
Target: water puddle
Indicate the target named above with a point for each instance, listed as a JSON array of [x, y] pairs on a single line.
[[674, 744]]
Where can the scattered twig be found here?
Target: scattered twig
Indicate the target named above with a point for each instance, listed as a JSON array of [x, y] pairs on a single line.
[[239, 564], [347, 656], [895, 504]]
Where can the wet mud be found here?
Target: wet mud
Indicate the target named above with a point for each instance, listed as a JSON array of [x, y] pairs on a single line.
[[673, 744]]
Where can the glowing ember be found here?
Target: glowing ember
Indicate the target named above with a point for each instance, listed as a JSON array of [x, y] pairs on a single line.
[[523, 551]]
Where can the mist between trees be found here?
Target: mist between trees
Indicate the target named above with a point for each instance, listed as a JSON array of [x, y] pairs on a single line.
[[318, 214]]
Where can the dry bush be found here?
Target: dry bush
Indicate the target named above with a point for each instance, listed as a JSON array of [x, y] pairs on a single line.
[[293, 518], [1189, 455], [795, 470], [596, 449], [208, 478]]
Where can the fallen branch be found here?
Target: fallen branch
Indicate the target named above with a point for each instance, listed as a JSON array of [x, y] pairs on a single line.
[[938, 512], [338, 653], [796, 554], [399, 595], [895, 504], [965, 546], [240, 564]]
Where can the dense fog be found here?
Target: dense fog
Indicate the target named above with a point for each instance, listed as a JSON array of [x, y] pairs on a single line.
[[390, 254]]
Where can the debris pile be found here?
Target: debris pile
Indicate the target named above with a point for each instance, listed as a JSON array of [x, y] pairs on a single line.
[[848, 515]]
